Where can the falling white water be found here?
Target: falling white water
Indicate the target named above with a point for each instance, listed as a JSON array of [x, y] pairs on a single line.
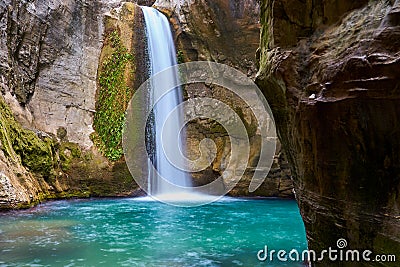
[[162, 55]]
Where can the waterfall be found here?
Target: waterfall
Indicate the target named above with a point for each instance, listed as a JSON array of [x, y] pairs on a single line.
[[162, 55]]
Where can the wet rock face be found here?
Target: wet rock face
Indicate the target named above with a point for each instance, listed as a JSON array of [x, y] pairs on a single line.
[[35, 167], [333, 85], [144, 2], [49, 54], [278, 182]]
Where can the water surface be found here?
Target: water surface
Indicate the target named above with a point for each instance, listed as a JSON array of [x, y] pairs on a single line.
[[132, 232]]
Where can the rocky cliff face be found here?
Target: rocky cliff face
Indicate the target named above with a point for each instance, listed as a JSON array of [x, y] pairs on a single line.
[[50, 53], [225, 32], [331, 75], [49, 57]]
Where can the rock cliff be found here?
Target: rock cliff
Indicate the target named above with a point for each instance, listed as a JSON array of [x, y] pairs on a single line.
[[49, 57], [331, 75]]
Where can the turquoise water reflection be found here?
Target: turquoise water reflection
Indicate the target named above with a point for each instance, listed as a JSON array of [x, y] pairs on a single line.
[[132, 232]]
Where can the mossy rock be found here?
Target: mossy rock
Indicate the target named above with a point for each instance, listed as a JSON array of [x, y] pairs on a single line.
[[35, 154], [67, 152], [25, 146]]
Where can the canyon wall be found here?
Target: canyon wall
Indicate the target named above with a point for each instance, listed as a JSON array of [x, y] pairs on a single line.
[[331, 75]]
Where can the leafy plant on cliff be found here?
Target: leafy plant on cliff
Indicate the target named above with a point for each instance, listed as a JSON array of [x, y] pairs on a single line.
[[112, 99]]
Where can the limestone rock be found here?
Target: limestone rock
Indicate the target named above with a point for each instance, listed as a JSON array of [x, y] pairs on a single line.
[[221, 31], [49, 56]]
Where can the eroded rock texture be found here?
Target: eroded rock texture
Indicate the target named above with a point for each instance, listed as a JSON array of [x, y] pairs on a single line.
[[50, 52], [332, 76]]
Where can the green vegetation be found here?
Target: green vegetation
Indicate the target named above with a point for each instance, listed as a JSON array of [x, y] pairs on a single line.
[[24, 146], [180, 57], [67, 152], [70, 171], [112, 99]]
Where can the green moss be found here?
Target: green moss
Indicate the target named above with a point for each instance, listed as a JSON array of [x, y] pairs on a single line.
[[217, 128], [85, 173], [43, 196], [22, 145], [68, 152], [112, 100], [36, 155], [73, 194], [22, 206]]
